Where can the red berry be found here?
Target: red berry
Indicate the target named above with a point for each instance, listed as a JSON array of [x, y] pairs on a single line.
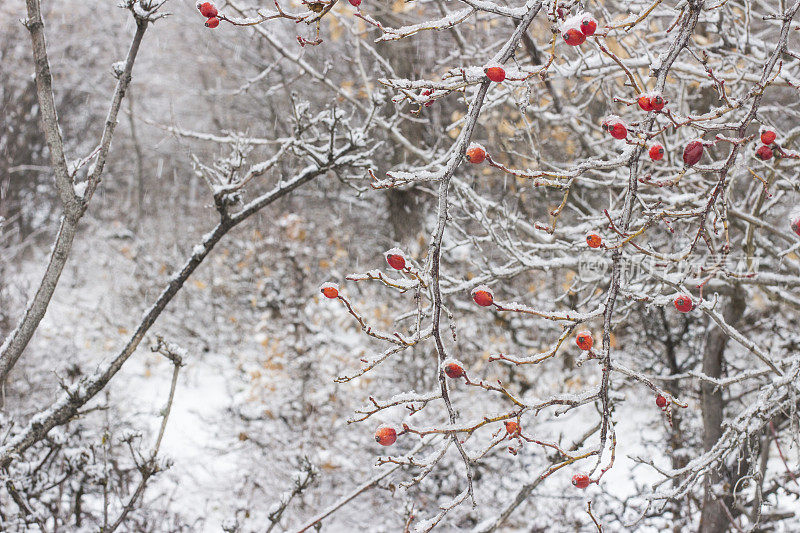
[[581, 481], [692, 153], [618, 130], [355, 3], [795, 225], [476, 154], [645, 103], [594, 240], [657, 102], [496, 74], [208, 10], [212, 22], [588, 25], [661, 402], [768, 137], [453, 370], [764, 152], [512, 428], [574, 37], [396, 260], [584, 341], [656, 152], [330, 290], [385, 436], [683, 303], [482, 296]]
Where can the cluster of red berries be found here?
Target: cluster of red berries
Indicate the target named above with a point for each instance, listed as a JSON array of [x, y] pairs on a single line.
[[764, 151], [209, 11], [576, 29], [651, 101]]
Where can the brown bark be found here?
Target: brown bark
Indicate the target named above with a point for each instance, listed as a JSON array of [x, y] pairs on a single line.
[[714, 519]]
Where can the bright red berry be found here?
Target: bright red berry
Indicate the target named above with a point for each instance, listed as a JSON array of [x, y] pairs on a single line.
[[385, 436], [768, 136], [584, 340], [692, 153], [512, 427], [395, 259], [482, 296], [588, 25], [208, 10], [574, 37], [496, 74], [594, 240], [645, 103], [764, 152], [618, 130], [656, 152], [453, 369], [476, 154], [355, 3], [212, 22], [683, 303], [581, 481], [657, 102], [661, 402], [330, 290]]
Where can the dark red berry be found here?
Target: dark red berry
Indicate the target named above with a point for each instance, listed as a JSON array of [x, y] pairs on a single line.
[[574, 37], [692, 153], [764, 152], [657, 102], [208, 10], [661, 402], [453, 370]]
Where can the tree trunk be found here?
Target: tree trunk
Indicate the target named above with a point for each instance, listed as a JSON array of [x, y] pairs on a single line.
[[714, 519]]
